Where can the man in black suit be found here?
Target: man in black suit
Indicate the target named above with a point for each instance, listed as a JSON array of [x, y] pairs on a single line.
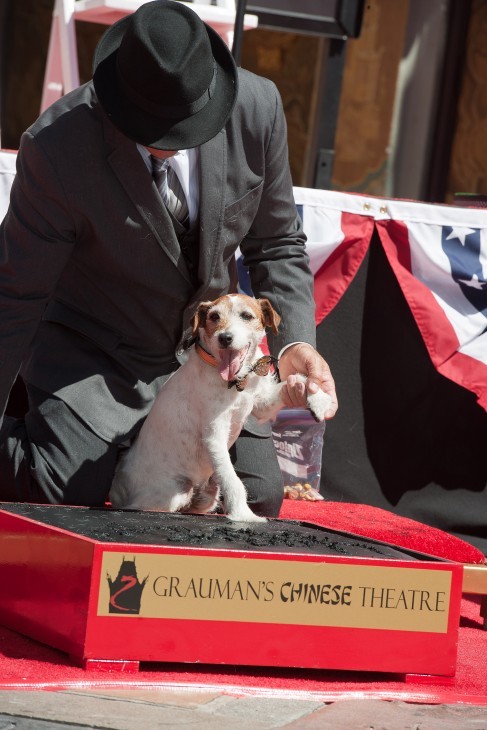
[[99, 279]]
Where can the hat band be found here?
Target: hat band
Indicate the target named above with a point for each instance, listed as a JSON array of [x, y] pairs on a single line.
[[169, 112]]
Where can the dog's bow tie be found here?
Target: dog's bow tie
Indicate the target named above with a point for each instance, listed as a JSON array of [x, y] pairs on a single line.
[[261, 367]]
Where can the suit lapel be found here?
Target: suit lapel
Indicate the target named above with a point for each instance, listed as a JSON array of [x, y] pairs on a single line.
[[132, 173], [212, 199]]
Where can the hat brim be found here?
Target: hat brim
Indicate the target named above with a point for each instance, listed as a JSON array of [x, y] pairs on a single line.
[[154, 131]]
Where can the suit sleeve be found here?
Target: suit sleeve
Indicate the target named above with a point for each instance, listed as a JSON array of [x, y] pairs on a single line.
[[274, 249], [36, 239]]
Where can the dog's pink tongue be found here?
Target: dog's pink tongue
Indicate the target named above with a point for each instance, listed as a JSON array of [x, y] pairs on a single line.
[[230, 362]]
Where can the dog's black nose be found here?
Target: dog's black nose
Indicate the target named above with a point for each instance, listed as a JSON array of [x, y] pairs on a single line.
[[225, 339]]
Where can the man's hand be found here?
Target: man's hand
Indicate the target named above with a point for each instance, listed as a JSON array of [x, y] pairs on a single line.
[[302, 358]]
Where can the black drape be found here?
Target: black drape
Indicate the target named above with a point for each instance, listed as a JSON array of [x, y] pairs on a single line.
[[405, 438]]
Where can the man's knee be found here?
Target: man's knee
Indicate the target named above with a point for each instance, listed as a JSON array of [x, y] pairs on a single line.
[[52, 457]]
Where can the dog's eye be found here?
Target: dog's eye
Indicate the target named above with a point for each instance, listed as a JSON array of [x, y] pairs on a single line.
[[214, 317], [247, 316]]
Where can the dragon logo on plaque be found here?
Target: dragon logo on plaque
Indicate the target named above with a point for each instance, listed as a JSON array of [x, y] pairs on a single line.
[[126, 589]]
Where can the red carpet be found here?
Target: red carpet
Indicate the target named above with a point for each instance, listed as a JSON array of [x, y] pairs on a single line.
[[26, 664], [378, 524]]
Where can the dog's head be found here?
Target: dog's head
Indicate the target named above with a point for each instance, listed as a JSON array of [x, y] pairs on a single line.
[[231, 328]]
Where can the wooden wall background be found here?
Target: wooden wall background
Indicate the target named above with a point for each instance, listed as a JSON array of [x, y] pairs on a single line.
[[367, 101], [468, 163], [294, 62]]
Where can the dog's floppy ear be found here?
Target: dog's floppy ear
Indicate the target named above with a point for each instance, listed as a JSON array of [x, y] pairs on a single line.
[[269, 315], [199, 317]]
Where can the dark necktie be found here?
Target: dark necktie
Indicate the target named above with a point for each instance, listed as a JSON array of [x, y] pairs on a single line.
[[170, 189]]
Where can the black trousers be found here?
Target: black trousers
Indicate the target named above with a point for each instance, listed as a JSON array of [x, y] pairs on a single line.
[[50, 456]]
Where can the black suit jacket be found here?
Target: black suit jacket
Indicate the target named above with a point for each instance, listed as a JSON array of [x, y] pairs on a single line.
[[95, 295]]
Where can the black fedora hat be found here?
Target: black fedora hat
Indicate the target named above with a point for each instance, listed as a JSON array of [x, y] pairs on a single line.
[[165, 78]]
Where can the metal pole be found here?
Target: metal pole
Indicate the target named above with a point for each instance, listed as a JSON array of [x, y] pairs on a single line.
[[328, 114], [238, 30]]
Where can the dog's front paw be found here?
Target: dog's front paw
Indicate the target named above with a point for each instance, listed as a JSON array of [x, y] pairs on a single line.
[[318, 404], [245, 515]]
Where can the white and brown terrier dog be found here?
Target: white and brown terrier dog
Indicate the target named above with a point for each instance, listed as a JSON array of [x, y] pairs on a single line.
[[180, 459]]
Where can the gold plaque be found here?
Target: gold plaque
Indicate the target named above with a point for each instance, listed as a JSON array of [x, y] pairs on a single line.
[[276, 591]]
